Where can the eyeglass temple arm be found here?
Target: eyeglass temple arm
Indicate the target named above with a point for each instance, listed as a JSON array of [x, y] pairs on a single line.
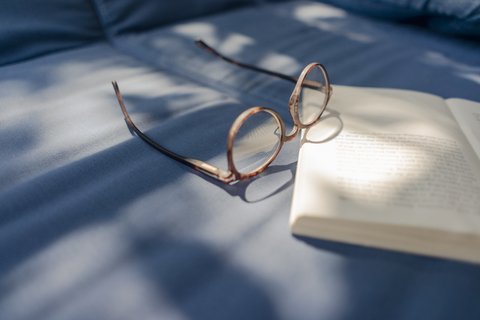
[[199, 165], [203, 45], [306, 83]]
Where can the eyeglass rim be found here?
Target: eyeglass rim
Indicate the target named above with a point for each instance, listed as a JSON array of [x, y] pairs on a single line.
[[293, 108], [237, 124], [294, 100]]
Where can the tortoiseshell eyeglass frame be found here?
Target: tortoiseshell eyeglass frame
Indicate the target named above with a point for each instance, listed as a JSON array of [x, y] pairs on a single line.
[[232, 174]]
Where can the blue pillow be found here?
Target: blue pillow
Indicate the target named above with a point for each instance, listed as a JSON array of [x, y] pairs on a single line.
[[454, 17], [29, 28]]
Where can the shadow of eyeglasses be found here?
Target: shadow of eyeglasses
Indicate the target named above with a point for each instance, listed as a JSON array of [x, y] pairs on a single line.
[[327, 128], [277, 178], [268, 183]]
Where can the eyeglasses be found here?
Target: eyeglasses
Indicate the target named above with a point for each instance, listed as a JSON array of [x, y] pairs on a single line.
[[257, 134]]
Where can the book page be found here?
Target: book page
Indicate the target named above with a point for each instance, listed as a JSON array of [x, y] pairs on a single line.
[[467, 114], [392, 157]]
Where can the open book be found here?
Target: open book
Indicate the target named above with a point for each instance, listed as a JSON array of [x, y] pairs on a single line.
[[392, 169]]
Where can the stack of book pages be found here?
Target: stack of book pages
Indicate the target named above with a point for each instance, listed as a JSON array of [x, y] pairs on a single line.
[[392, 169]]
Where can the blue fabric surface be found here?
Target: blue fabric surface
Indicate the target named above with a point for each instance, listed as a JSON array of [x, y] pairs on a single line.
[[356, 51], [32, 28], [95, 224]]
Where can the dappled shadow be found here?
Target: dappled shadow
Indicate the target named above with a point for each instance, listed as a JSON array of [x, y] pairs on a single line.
[[201, 282], [103, 183], [94, 196], [355, 51], [17, 137], [66, 248], [56, 70], [81, 176], [142, 275], [49, 210], [385, 284]]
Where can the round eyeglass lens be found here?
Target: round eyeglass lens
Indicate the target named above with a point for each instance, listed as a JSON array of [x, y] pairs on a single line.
[[312, 96], [256, 142]]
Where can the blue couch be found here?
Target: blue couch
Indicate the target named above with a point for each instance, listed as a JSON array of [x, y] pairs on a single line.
[[95, 224]]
